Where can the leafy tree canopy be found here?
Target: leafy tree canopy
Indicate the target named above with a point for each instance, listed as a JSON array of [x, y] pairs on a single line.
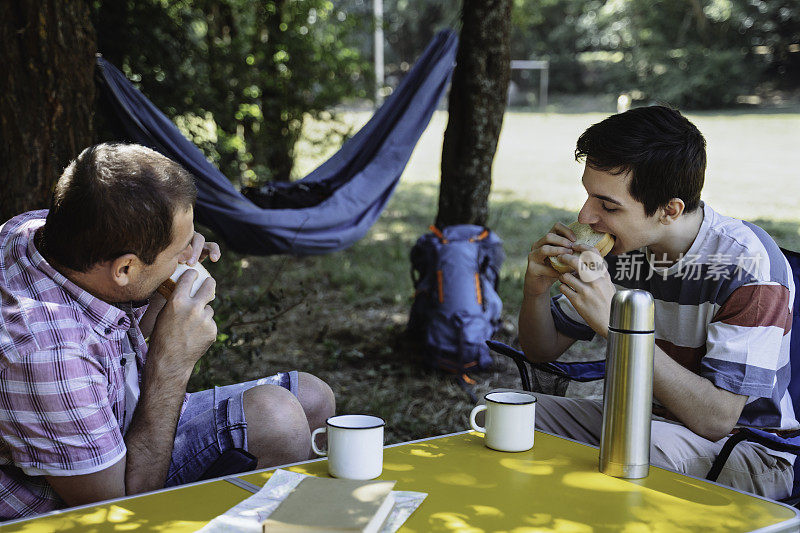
[[691, 53], [238, 76]]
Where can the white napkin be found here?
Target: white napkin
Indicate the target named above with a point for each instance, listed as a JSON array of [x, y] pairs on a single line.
[[248, 515]]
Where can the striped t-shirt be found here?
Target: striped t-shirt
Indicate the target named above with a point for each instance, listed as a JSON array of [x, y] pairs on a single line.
[[722, 311]]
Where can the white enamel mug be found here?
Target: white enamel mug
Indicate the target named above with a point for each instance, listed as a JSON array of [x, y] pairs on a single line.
[[166, 288], [355, 446], [510, 419]]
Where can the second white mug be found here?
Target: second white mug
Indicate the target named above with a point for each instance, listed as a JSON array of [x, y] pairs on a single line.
[[355, 446], [510, 419]]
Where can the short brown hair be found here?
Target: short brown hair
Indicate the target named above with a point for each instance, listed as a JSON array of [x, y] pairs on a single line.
[[664, 152], [115, 199]]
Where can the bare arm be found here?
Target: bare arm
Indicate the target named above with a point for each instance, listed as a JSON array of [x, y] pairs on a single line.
[[538, 336], [89, 488], [152, 433], [706, 409], [183, 332], [149, 443]]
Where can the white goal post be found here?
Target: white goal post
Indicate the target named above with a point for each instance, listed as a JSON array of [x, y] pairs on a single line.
[[544, 66]]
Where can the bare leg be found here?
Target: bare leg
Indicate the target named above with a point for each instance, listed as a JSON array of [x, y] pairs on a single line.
[[277, 429], [317, 400]]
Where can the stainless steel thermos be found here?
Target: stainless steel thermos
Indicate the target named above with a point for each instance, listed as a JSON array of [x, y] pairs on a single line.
[[628, 393]]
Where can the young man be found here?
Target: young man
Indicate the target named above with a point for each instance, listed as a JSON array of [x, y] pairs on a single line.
[[89, 408], [723, 294]]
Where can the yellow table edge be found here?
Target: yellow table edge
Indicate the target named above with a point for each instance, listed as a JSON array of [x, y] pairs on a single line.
[[793, 522]]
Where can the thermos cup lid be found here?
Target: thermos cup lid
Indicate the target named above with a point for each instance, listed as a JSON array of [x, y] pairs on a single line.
[[632, 310]]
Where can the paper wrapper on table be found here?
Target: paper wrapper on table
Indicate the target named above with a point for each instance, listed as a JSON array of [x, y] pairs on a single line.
[[249, 515], [319, 504]]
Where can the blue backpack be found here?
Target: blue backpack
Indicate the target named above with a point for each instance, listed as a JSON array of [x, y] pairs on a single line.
[[456, 306]]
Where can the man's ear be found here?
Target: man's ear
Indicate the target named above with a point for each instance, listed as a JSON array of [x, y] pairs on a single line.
[[672, 211], [122, 268]]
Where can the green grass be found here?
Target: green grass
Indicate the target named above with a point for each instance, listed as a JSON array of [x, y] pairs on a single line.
[[753, 159], [342, 316]]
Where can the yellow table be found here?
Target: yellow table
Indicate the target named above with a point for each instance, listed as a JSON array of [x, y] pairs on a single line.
[[554, 487]]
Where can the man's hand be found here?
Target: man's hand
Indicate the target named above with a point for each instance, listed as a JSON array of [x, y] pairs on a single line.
[[185, 327], [538, 336], [183, 332], [202, 249], [589, 289], [540, 274]]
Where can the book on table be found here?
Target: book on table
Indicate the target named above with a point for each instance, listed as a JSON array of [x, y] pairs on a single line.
[[333, 505]]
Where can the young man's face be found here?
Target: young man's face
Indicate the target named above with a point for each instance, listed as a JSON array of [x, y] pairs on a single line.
[[166, 262], [611, 209]]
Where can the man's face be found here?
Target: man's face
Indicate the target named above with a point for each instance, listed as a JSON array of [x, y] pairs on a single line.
[[611, 209], [179, 250]]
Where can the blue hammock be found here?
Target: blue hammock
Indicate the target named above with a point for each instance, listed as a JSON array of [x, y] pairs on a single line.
[[339, 201]]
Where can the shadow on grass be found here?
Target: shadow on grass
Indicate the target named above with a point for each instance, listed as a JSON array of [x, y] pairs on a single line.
[[342, 316]]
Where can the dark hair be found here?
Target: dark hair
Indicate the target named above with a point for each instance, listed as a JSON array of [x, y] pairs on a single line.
[[664, 152], [112, 200]]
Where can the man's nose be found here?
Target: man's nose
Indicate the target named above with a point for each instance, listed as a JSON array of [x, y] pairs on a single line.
[[587, 215]]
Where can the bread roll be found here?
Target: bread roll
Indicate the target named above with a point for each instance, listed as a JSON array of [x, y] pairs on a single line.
[[585, 235], [166, 288]]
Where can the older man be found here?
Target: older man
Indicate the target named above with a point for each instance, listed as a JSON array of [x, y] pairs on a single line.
[[94, 363]]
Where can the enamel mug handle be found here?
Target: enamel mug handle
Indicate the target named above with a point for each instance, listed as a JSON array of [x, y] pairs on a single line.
[[321, 453], [472, 415]]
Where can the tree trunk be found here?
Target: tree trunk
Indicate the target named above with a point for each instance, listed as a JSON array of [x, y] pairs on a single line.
[[476, 106], [277, 136], [47, 97]]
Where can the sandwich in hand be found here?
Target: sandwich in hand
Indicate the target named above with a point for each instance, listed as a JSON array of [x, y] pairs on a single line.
[[166, 288], [587, 236]]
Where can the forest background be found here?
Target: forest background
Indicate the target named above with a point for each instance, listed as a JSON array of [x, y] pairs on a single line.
[[269, 89]]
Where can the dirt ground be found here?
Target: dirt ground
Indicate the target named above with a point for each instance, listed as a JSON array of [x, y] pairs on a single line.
[[356, 344]]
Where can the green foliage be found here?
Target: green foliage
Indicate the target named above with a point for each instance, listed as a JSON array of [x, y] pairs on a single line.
[[559, 31], [697, 78], [238, 77], [691, 53], [682, 52], [409, 25]]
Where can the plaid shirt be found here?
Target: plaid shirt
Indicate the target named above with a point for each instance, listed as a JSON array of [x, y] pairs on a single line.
[[62, 386]]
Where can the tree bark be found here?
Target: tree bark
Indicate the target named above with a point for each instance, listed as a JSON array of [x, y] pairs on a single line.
[[47, 97], [476, 106]]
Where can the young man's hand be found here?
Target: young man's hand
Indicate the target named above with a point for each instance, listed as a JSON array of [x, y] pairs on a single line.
[[589, 289], [540, 274]]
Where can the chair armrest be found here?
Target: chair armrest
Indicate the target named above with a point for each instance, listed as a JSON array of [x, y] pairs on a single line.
[[582, 371], [519, 359], [770, 440]]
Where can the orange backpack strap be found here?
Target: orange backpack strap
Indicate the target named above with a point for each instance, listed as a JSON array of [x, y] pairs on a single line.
[[436, 231], [483, 235], [478, 293]]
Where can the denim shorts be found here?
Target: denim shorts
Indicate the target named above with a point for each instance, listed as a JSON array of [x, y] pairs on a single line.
[[213, 422]]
